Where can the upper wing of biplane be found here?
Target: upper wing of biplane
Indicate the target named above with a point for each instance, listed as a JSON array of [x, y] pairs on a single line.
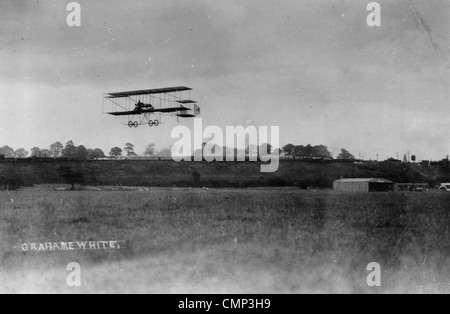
[[185, 102], [149, 92]]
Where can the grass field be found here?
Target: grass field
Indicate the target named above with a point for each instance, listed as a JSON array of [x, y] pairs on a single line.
[[227, 241]]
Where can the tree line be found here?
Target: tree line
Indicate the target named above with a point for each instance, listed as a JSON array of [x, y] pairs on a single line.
[[150, 150], [71, 151], [309, 151], [56, 150]]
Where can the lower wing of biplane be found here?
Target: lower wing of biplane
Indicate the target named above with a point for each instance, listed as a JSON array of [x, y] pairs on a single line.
[[147, 106]]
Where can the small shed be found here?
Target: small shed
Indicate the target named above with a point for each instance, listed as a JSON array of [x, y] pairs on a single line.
[[363, 185]]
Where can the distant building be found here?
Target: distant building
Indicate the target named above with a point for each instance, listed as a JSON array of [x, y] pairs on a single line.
[[363, 185]]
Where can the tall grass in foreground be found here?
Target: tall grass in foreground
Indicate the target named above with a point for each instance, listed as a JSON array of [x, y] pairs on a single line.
[[254, 240]]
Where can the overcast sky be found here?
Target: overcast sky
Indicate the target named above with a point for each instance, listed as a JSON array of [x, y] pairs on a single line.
[[313, 67]]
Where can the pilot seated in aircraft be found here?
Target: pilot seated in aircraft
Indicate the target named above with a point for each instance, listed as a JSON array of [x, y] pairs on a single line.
[[140, 105]]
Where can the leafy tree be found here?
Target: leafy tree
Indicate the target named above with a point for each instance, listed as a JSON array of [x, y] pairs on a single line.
[[303, 151], [95, 154], [82, 152], [196, 176], [277, 152], [115, 152], [56, 149], [71, 176], [150, 150], [251, 151], [45, 153], [129, 148], [228, 152], [99, 153], [211, 149], [299, 151], [321, 151], [345, 155], [308, 151], [21, 153], [289, 149], [35, 152], [70, 151], [265, 149], [165, 152], [90, 154], [7, 151], [200, 152]]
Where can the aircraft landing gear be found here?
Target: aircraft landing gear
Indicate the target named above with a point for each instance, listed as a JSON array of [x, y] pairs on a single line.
[[133, 124], [152, 123]]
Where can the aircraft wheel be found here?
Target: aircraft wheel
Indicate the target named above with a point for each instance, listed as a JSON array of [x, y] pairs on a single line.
[[151, 123], [136, 124], [156, 123], [130, 124]]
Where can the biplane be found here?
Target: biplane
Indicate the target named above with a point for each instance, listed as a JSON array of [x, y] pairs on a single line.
[[146, 107]]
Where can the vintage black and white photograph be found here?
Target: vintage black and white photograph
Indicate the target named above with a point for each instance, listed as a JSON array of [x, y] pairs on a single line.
[[229, 147]]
